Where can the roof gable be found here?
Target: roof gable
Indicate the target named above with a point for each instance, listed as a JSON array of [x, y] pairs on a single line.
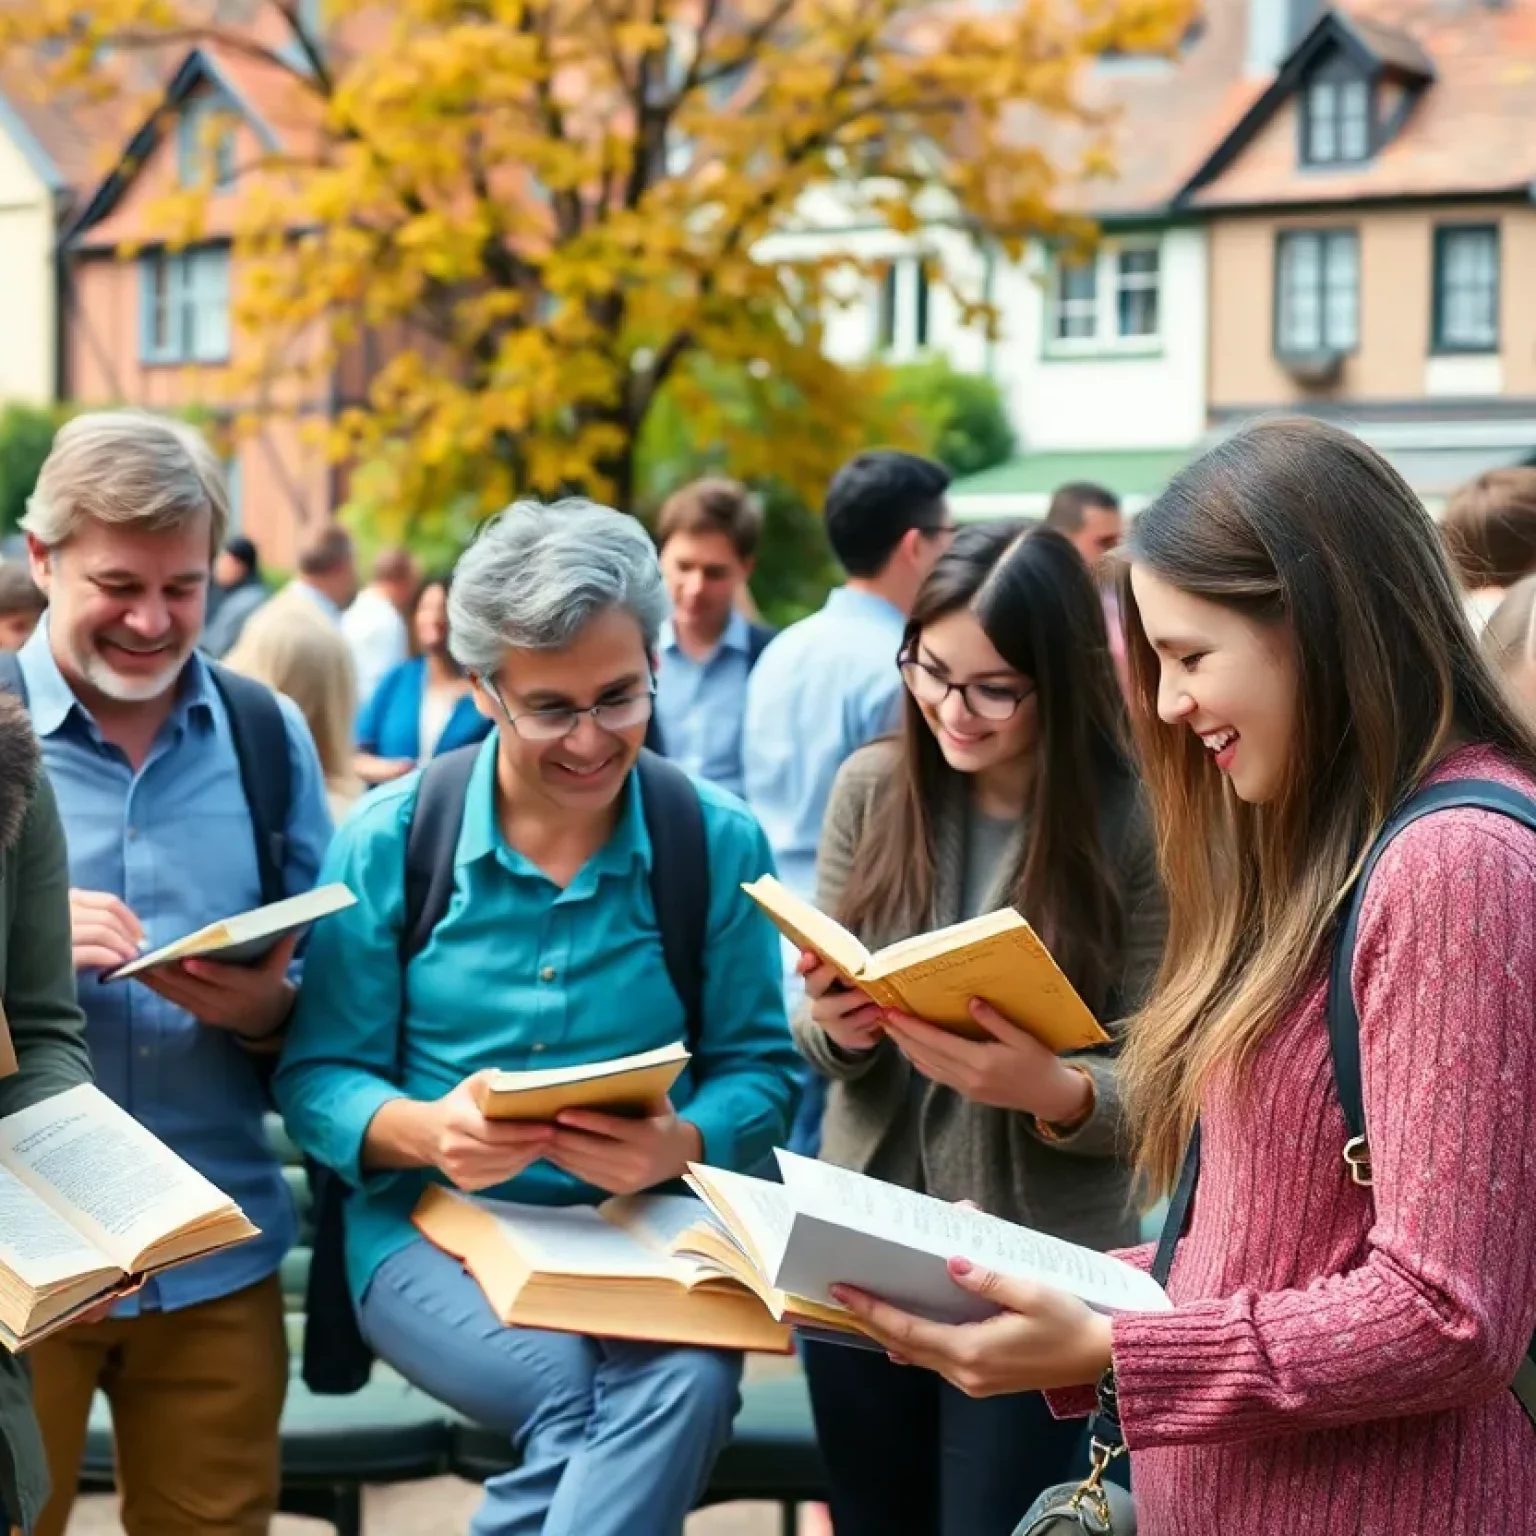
[[1374, 49], [201, 68]]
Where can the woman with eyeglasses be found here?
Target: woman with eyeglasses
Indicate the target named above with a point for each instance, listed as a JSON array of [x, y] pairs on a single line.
[[1009, 783], [548, 954]]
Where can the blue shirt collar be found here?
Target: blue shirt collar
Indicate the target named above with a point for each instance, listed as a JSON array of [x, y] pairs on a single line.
[[50, 699], [737, 636], [480, 836], [855, 603]]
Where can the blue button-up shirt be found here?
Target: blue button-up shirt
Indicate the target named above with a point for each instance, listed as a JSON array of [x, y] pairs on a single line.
[[520, 974], [699, 704], [821, 690], [174, 842]]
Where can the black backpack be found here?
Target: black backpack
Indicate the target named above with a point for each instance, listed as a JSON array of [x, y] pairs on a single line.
[[261, 740], [337, 1359], [1344, 1023], [758, 636]]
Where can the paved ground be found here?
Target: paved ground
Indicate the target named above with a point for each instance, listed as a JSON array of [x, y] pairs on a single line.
[[438, 1508]]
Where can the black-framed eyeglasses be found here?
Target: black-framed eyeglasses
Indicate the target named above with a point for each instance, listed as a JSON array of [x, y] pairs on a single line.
[[556, 724], [986, 701]]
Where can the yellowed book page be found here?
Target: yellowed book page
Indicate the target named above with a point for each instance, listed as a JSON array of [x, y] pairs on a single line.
[[630, 1085], [757, 1214], [1012, 971], [123, 1189], [806, 927]]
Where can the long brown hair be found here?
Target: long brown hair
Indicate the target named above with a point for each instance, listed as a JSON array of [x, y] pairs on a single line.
[[1292, 522], [1035, 601]]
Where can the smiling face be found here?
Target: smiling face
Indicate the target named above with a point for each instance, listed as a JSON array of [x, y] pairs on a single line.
[[703, 574], [583, 770], [1003, 727], [126, 605], [1230, 679]]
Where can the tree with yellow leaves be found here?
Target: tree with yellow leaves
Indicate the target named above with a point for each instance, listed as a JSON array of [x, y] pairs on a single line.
[[543, 216]]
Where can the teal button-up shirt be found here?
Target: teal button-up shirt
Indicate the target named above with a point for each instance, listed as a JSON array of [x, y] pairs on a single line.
[[521, 973]]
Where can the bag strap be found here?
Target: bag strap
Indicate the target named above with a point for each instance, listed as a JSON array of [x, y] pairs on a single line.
[[261, 744], [431, 840], [758, 636], [1344, 1017], [674, 819]]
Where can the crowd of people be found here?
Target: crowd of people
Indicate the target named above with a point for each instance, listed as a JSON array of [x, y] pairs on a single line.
[[1169, 744]]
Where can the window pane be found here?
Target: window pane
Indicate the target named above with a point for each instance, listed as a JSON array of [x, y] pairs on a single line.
[[207, 306], [1136, 300], [1468, 298], [1077, 300], [1341, 282], [1300, 328], [1322, 122], [162, 340], [920, 317], [1354, 141]]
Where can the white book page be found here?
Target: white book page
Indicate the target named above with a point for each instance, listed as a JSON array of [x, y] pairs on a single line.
[[558, 1077], [763, 1214], [120, 1186], [657, 1221], [923, 1225], [36, 1242], [576, 1240]]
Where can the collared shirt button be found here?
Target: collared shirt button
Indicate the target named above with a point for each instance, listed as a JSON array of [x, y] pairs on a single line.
[[547, 974], [133, 832], [538, 1045], [143, 1050]]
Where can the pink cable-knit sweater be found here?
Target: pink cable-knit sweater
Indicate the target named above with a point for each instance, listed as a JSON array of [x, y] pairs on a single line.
[[1338, 1359]]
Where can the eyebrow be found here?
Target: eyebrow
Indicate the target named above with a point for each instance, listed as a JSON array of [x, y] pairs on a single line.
[[1172, 643], [133, 576], [549, 699], [939, 664]]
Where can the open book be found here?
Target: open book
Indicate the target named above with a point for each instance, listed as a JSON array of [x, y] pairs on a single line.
[[997, 958], [90, 1202], [826, 1225], [248, 936], [625, 1084], [612, 1271]]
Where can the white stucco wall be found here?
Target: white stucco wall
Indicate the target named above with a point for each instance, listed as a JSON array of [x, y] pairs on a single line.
[[27, 290]]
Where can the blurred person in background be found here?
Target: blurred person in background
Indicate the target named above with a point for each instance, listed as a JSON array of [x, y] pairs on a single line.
[[21, 605], [234, 594], [376, 626], [1489, 529], [326, 575], [1510, 642], [708, 534], [422, 706], [303, 657], [828, 684], [1089, 516]]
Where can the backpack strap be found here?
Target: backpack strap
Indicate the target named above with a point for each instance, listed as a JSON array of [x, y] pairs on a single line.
[[261, 747], [431, 841], [674, 818], [1344, 1017], [12, 679]]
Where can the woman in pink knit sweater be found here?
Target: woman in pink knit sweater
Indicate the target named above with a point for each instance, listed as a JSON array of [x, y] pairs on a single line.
[[1338, 1358]]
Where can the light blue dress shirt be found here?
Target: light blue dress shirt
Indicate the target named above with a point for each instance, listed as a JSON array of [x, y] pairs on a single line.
[[521, 974], [174, 842], [699, 704], [823, 688]]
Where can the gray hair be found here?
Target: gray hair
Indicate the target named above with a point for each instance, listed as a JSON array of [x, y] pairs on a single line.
[[537, 574], [127, 468]]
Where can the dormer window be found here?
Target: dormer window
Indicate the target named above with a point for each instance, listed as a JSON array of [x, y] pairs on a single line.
[[1336, 120]]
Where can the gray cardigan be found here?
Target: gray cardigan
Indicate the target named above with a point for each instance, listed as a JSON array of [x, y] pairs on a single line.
[[884, 1119]]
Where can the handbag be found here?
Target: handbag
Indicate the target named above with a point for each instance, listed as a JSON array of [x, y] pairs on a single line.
[[1095, 1507]]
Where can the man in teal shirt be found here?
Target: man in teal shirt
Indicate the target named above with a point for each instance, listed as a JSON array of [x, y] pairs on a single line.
[[548, 955]]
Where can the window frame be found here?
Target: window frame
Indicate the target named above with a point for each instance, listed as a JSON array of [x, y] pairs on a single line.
[[1336, 76], [177, 282], [1107, 339], [1324, 235], [1438, 344]]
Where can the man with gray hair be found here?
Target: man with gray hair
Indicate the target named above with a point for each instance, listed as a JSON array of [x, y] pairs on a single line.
[[187, 795], [549, 949]]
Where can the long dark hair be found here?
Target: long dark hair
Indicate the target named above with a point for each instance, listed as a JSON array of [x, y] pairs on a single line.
[[1036, 602], [1292, 522]]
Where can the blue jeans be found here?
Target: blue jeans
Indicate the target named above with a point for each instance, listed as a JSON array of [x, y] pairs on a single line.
[[613, 1438]]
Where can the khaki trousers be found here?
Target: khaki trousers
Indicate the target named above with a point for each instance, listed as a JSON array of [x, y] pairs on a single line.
[[196, 1398]]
